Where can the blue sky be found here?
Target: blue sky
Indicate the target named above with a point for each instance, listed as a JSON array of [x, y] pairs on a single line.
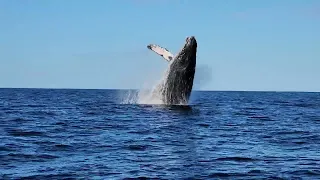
[[242, 45]]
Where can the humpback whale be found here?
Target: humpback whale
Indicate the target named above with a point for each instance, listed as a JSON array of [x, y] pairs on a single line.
[[176, 87]]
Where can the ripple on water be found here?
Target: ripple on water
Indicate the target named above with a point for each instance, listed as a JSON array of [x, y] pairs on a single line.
[[66, 176], [263, 118], [137, 147], [87, 134], [5, 149], [19, 119], [20, 157], [238, 159], [24, 133]]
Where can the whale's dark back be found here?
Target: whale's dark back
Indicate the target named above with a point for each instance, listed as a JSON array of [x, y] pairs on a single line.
[[179, 82]]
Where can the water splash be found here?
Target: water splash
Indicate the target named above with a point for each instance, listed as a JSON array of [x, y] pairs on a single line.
[[147, 95], [129, 97], [153, 95]]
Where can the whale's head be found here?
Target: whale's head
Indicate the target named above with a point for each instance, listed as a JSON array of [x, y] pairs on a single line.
[[190, 46], [191, 42], [187, 56]]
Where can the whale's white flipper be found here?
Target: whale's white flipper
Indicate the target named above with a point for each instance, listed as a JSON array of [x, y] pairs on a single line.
[[161, 51]]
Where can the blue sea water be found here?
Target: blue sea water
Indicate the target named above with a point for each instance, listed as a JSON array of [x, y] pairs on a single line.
[[90, 134]]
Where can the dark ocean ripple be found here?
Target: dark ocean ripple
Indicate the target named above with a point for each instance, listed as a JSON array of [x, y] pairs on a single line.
[[89, 134]]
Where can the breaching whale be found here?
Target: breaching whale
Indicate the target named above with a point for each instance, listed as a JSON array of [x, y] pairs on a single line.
[[176, 87]]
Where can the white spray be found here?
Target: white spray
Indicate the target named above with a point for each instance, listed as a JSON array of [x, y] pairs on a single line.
[[146, 95]]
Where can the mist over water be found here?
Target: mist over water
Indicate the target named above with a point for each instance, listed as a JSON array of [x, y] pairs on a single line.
[[202, 77]]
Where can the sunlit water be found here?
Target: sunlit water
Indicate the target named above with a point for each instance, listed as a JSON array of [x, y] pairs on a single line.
[[91, 134]]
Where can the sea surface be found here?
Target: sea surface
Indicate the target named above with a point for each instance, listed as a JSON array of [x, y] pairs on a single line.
[[91, 134]]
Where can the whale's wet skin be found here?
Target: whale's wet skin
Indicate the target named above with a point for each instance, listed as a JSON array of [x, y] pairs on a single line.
[[177, 84]]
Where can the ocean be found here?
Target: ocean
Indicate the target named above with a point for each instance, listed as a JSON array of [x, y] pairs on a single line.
[[92, 134]]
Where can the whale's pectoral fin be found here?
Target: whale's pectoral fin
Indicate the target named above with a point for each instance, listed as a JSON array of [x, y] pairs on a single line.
[[161, 51]]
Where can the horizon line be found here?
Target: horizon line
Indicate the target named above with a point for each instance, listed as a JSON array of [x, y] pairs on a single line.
[[196, 90]]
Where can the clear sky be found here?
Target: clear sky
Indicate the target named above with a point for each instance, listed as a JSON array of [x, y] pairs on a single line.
[[242, 45]]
